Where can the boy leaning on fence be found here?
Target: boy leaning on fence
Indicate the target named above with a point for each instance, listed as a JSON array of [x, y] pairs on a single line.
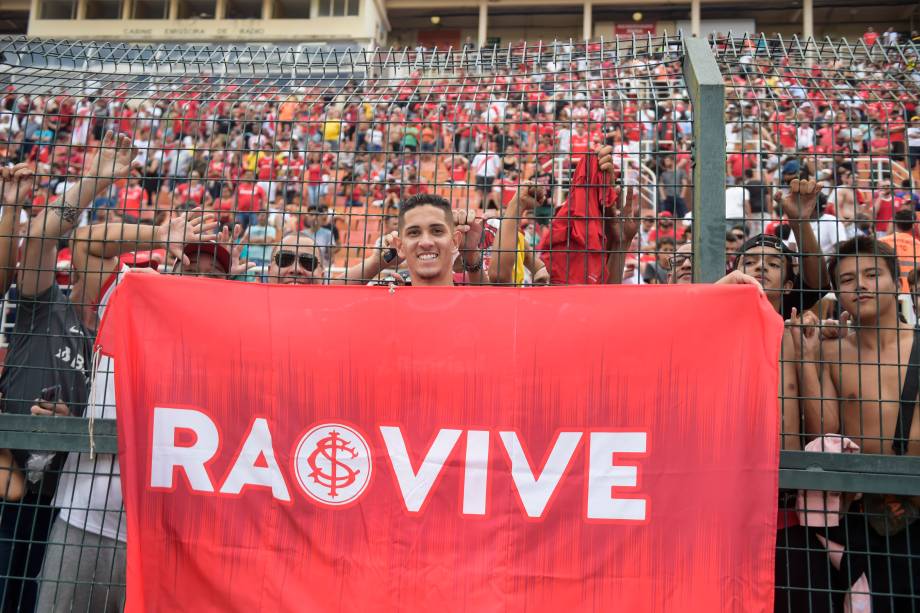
[[864, 386]]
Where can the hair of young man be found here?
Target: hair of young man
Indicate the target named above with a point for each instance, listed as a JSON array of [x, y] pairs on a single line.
[[418, 200], [862, 246], [912, 278], [904, 220], [667, 240], [842, 167]]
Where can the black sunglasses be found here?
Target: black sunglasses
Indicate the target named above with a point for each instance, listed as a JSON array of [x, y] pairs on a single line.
[[286, 258]]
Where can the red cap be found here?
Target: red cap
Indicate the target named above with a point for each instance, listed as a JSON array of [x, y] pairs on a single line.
[[219, 252], [665, 214]]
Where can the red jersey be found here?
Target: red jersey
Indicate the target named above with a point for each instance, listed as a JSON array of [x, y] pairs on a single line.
[[133, 198], [186, 192], [250, 197], [506, 189], [884, 212]]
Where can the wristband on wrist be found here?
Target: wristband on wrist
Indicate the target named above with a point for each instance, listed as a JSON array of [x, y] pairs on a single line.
[[473, 267]]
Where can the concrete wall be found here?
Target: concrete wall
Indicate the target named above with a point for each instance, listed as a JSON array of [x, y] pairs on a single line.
[[368, 28]]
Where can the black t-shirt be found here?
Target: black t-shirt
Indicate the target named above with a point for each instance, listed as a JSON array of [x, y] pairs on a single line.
[[49, 346], [758, 196], [801, 296]]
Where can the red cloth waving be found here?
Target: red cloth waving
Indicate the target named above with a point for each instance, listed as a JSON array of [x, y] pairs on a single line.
[[574, 248]]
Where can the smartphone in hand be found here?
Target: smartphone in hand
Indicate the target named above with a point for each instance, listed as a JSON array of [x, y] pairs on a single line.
[[51, 394]]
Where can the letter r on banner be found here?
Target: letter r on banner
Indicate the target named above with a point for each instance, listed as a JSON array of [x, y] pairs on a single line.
[[604, 475], [166, 456]]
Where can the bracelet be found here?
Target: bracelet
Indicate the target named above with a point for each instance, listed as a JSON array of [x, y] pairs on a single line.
[[473, 268]]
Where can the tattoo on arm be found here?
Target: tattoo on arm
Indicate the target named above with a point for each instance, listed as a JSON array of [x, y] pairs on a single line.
[[67, 212]]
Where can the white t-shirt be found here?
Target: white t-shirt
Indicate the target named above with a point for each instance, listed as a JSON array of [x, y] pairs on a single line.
[[564, 139], [913, 137], [486, 165], [805, 137], [89, 492], [9, 123], [829, 231], [734, 202]]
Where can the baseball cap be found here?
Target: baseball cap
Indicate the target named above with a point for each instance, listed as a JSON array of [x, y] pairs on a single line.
[[665, 214], [217, 251], [768, 240], [791, 167]]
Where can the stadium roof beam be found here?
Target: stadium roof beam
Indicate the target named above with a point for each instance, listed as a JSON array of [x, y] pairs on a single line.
[[587, 28], [483, 22], [808, 18]]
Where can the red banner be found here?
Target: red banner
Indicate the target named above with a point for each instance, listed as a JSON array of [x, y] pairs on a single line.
[[328, 449]]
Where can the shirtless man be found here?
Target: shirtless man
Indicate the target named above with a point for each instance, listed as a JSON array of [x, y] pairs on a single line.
[[856, 393]]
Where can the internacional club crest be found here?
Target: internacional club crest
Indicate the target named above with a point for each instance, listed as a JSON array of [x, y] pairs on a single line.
[[333, 464]]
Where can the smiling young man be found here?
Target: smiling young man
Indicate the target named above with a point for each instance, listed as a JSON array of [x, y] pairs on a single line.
[[432, 236]]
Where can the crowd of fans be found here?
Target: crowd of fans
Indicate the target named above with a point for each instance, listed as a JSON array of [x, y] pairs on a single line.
[[569, 170]]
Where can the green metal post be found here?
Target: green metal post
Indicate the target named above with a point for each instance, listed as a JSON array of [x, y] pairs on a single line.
[[707, 97]]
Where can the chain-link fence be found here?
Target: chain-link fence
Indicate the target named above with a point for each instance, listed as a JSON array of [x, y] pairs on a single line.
[[558, 163]]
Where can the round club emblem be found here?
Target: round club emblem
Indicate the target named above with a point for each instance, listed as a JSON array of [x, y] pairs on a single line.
[[333, 464]]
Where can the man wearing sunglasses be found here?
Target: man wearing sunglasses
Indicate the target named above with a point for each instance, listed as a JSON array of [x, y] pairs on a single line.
[[298, 260]]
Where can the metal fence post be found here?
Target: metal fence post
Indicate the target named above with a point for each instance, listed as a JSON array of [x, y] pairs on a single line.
[[707, 97]]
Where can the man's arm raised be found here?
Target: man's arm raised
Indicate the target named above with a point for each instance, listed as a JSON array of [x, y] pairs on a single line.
[[369, 267], [799, 206], [108, 240], [621, 223], [15, 188], [470, 226], [504, 250], [111, 161]]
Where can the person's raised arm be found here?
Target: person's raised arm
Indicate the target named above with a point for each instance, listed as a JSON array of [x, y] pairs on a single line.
[[108, 240], [504, 249], [370, 267], [799, 206], [621, 225], [15, 188], [471, 227], [109, 162]]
